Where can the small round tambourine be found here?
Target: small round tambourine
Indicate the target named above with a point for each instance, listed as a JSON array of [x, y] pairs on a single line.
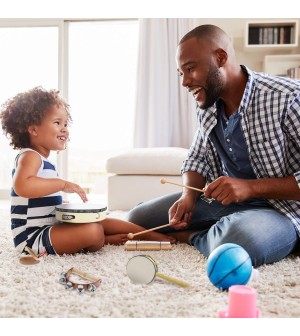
[[142, 269], [80, 213]]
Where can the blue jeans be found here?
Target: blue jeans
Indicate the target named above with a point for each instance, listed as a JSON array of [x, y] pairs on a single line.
[[267, 235]]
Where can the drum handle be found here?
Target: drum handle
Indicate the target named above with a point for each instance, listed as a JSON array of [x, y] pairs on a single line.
[[173, 280]]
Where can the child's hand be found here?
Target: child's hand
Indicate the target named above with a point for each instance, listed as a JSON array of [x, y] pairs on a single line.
[[70, 187]]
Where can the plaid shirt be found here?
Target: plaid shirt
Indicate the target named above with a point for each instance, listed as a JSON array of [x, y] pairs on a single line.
[[270, 122]]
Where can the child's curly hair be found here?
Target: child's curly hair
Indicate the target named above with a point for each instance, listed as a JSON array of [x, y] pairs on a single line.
[[26, 109]]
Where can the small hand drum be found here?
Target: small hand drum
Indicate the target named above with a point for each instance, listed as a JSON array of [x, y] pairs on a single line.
[[80, 213], [142, 269]]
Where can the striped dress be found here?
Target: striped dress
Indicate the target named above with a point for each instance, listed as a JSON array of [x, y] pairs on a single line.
[[32, 218]]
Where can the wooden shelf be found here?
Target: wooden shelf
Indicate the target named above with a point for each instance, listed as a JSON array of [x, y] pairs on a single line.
[[271, 34], [278, 65]]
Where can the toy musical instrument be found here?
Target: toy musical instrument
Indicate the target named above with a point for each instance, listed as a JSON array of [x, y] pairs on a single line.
[[163, 181], [146, 245], [80, 213], [142, 269], [131, 235]]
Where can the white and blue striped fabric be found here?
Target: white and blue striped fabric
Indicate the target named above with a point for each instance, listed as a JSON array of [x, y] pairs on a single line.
[[30, 216]]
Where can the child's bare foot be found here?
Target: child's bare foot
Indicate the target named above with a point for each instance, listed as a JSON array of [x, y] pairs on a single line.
[[116, 239], [156, 236]]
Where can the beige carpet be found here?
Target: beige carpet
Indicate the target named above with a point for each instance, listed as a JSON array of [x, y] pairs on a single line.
[[34, 291]]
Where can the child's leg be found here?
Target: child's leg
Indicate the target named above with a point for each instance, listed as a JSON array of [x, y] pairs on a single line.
[[116, 231], [72, 238]]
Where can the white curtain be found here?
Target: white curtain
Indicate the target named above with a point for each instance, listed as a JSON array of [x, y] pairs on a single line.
[[165, 113]]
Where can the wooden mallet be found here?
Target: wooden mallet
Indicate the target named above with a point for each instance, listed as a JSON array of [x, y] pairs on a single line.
[[132, 235], [163, 181]]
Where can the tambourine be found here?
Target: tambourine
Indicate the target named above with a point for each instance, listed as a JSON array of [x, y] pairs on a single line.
[[91, 286], [80, 213], [142, 269]]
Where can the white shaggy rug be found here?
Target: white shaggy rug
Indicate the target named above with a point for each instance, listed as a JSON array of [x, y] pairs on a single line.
[[34, 291]]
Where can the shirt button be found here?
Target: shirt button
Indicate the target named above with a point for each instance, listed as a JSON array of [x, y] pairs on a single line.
[[228, 140], [230, 149]]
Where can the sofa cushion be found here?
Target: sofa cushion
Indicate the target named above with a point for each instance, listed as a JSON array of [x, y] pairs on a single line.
[[126, 191], [148, 161]]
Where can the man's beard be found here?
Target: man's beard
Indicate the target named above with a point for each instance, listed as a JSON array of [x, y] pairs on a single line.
[[213, 86]]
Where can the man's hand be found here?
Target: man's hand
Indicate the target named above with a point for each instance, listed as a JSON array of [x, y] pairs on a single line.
[[181, 212], [227, 190]]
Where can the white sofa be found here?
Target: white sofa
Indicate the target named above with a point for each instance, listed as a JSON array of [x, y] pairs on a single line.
[[134, 176]]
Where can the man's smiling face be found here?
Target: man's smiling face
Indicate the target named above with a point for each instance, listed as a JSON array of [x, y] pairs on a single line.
[[200, 74]]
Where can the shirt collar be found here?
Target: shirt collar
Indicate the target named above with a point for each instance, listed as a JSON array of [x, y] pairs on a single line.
[[248, 89]]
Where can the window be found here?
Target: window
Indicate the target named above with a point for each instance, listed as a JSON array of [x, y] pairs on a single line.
[[93, 64], [28, 58], [102, 75]]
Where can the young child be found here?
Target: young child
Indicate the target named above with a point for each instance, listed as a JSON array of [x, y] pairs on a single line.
[[37, 123]]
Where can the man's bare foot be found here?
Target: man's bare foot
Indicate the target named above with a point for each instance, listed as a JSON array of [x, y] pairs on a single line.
[[183, 236]]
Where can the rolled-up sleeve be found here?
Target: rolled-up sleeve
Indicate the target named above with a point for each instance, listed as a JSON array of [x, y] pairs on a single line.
[[292, 125]]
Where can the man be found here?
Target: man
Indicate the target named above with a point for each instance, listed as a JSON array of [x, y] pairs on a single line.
[[245, 153]]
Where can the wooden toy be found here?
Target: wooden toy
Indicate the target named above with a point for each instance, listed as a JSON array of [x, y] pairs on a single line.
[[163, 181], [141, 245], [132, 235]]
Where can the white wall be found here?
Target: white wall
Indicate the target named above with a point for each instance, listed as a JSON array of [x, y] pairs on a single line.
[[236, 29]]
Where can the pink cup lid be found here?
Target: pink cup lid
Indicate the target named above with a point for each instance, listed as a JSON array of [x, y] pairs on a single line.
[[241, 303]]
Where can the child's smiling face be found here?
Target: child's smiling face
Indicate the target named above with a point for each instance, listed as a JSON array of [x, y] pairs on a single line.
[[52, 133]]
